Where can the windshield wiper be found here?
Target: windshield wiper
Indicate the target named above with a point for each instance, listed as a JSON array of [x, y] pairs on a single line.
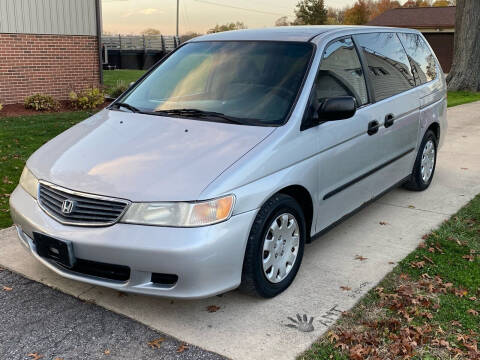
[[126, 106], [201, 114]]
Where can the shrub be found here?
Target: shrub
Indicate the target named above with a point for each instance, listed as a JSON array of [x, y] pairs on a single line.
[[87, 99], [118, 89], [41, 102]]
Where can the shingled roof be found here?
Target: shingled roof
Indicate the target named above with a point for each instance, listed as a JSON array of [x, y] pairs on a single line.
[[420, 17]]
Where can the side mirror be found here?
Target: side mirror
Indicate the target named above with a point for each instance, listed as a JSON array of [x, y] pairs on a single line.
[[337, 108]]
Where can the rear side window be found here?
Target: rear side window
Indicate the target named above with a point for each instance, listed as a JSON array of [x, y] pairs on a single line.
[[387, 62], [340, 73], [422, 61]]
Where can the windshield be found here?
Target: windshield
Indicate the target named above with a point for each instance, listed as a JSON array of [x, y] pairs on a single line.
[[252, 82]]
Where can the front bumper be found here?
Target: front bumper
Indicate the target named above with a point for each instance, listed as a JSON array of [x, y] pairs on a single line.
[[207, 260]]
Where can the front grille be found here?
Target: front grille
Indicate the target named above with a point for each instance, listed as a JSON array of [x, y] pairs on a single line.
[[83, 210]]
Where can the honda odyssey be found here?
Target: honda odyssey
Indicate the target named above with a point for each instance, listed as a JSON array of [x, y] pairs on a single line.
[[214, 169]]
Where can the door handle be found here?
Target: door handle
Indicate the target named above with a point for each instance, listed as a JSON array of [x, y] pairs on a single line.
[[373, 127], [389, 120]]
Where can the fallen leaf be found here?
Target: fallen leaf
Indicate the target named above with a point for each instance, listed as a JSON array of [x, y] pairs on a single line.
[[473, 312], [332, 337], [473, 298], [460, 292], [107, 352], [456, 323], [345, 288], [35, 356], [468, 257], [121, 294], [383, 223], [213, 308], [360, 257], [444, 343], [417, 265], [428, 259], [464, 168], [404, 276], [182, 348], [391, 262], [411, 207], [6, 288], [156, 344]]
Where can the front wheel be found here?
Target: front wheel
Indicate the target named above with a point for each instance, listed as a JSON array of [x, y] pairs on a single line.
[[425, 162], [275, 247]]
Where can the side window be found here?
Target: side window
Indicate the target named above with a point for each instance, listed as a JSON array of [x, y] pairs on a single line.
[[422, 60], [340, 73], [387, 62]]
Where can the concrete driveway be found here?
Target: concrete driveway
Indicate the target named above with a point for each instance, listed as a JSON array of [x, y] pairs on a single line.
[[249, 328]]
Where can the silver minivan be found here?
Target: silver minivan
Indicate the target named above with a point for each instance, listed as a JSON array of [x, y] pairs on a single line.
[[215, 169]]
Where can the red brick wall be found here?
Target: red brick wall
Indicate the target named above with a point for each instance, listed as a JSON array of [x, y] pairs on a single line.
[[48, 64]]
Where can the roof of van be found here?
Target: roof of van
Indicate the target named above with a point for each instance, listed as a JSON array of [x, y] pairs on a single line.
[[284, 33]]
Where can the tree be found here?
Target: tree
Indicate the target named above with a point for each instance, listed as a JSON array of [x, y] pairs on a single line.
[[441, 3], [380, 6], [187, 36], [310, 12], [465, 71], [227, 27], [150, 31], [283, 21], [410, 3], [335, 16], [358, 14], [418, 3]]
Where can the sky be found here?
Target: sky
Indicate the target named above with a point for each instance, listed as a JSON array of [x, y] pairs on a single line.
[[133, 16]]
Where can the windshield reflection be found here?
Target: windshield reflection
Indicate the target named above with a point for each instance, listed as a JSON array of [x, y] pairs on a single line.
[[255, 81]]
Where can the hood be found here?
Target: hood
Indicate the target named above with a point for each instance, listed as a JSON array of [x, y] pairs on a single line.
[[143, 157]]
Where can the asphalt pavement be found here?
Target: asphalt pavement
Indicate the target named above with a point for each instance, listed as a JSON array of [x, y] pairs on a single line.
[[36, 319]]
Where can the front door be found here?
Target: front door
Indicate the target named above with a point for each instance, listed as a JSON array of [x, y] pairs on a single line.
[[348, 148]]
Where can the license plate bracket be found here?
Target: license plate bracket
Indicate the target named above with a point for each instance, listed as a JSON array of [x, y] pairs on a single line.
[[60, 251]]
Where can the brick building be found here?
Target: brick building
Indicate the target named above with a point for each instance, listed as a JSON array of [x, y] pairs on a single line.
[[49, 47], [437, 24]]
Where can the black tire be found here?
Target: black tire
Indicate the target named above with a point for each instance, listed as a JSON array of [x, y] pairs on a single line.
[[254, 281], [415, 182]]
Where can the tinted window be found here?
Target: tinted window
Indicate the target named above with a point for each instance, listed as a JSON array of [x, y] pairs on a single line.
[[252, 82], [340, 73], [387, 63], [422, 61]]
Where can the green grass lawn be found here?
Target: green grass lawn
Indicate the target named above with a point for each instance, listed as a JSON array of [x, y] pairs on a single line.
[[111, 77], [19, 138], [461, 97], [428, 307]]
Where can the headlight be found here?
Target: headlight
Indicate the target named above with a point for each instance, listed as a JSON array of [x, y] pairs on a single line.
[[180, 214], [29, 182]]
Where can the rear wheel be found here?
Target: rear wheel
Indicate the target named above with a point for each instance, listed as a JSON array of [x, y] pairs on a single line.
[[424, 166], [275, 247]]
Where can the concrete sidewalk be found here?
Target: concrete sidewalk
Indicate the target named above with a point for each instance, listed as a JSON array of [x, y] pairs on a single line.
[[249, 328]]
